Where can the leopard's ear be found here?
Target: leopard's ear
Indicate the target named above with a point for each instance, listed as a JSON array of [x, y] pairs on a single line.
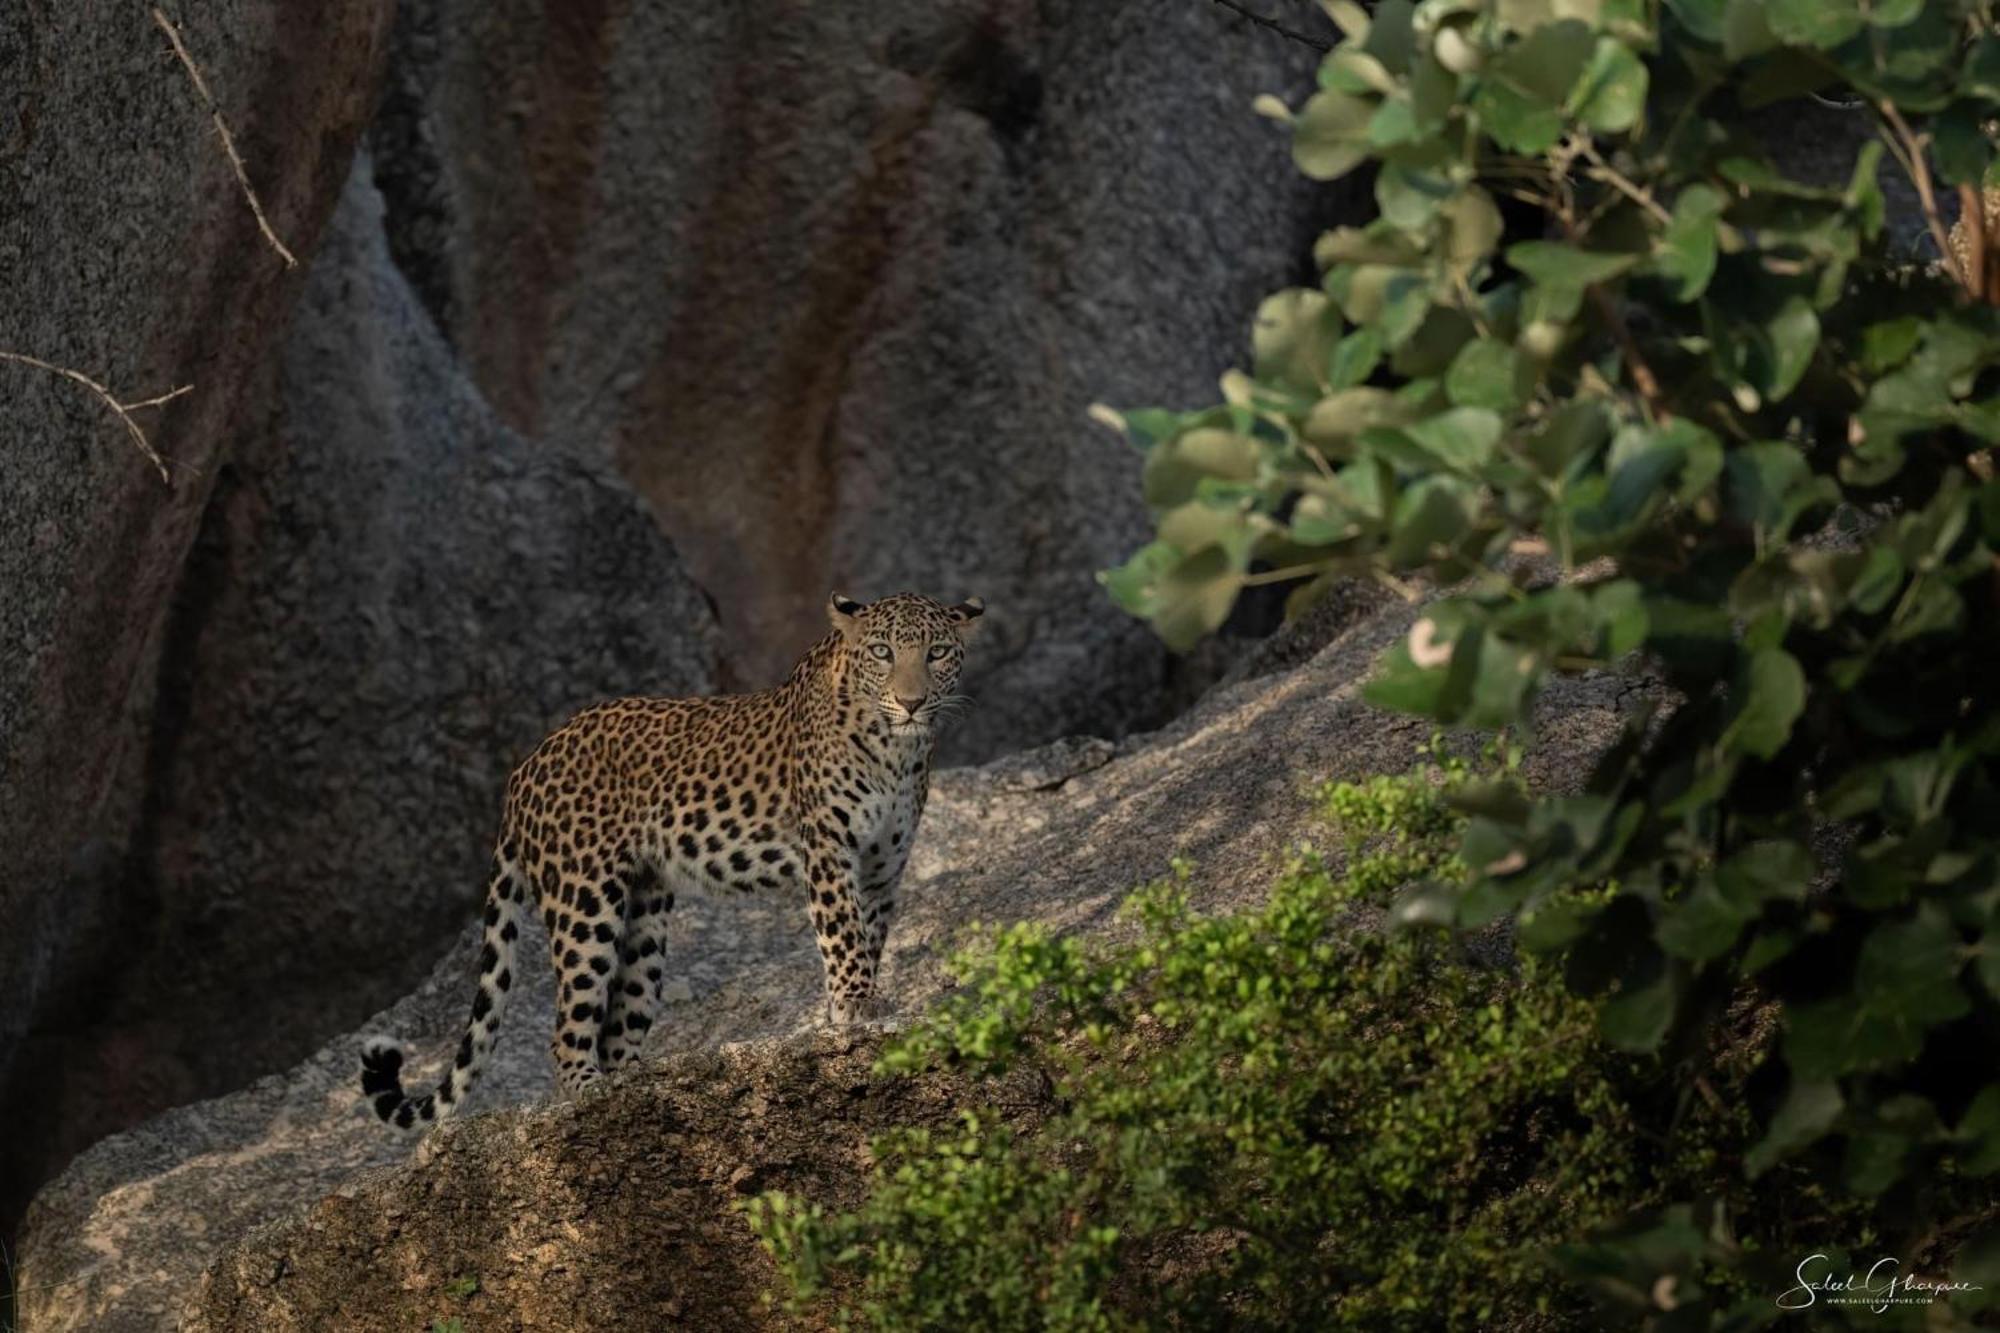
[[844, 614], [965, 616]]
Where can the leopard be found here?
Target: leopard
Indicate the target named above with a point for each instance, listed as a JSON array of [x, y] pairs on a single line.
[[813, 788]]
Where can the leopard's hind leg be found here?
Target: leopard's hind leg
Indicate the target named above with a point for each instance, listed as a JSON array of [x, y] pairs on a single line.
[[639, 981], [586, 921]]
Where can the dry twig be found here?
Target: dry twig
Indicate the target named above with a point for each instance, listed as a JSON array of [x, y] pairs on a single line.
[[1909, 149], [222, 131], [1603, 171], [1562, 206], [1972, 216], [1293, 34], [1643, 379], [123, 410]]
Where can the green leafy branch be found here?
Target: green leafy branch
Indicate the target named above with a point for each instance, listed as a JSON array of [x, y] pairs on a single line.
[[1596, 319]]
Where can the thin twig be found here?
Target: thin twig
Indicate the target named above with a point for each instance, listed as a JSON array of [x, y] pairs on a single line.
[[1984, 275], [1286, 574], [222, 131], [1318, 460], [1973, 217], [1643, 378], [1402, 589], [1911, 159], [1304, 39], [1642, 374], [1565, 214], [166, 397], [123, 410], [1541, 201], [1610, 175]]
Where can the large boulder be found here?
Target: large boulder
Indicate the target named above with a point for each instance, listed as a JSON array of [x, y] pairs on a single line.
[[1057, 835], [392, 598], [813, 295], [127, 253], [617, 1212], [834, 284]]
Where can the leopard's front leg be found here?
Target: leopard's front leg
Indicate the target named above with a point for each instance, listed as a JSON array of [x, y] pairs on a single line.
[[841, 926], [878, 904]]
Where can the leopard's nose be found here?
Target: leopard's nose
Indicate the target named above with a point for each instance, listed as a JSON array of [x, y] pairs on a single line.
[[910, 706]]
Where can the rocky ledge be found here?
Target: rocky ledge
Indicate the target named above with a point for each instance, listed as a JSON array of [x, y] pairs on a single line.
[[287, 1206]]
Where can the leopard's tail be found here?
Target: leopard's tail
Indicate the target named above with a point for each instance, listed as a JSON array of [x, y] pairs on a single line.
[[382, 1057]]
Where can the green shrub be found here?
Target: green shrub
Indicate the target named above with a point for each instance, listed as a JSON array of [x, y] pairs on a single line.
[[1752, 440], [1282, 1119]]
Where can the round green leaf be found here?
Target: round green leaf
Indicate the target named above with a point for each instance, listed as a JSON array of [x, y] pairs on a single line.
[[1959, 139], [1196, 526], [1193, 598], [1703, 18], [1686, 250], [1809, 1110], [1612, 91], [1893, 13], [1462, 438], [1473, 229], [1746, 32], [1558, 264], [1330, 135], [1703, 925], [1819, 23], [1486, 373], [1410, 197], [1176, 467], [1293, 339], [1523, 91], [1341, 416], [1794, 334], [1981, 75], [1430, 515], [1767, 698], [1637, 1017]]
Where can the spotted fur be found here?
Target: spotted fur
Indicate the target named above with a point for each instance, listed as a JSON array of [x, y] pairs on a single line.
[[813, 788]]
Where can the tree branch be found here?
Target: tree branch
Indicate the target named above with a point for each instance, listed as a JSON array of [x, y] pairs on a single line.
[[1642, 375], [1291, 34], [123, 410], [1643, 378], [1982, 274], [1601, 170], [222, 131], [1909, 149]]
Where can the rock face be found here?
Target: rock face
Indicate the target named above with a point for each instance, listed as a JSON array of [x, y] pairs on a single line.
[[634, 330], [648, 1178], [1058, 835], [393, 597], [126, 252], [859, 269], [389, 598]]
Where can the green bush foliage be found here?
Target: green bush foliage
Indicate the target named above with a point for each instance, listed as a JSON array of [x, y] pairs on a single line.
[[1752, 441], [1284, 1119]]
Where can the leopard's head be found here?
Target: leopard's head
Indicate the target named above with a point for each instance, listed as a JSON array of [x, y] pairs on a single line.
[[905, 653]]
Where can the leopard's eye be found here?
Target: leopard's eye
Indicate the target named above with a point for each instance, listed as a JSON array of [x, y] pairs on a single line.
[[881, 651], [940, 651]]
